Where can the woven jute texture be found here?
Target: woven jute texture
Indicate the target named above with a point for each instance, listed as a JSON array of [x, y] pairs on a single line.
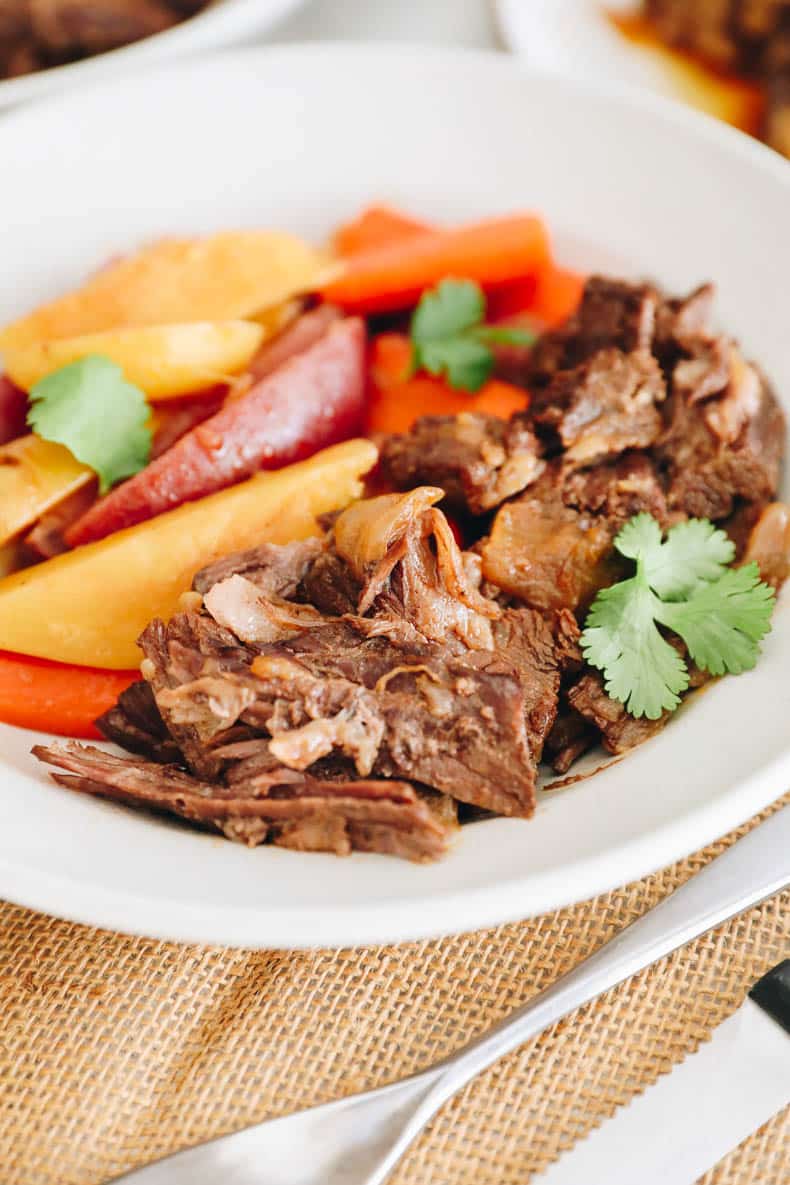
[[115, 1051]]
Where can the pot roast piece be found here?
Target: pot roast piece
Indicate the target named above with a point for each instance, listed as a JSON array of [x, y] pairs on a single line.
[[723, 433], [423, 679], [289, 810], [552, 547], [618, 730], [478, 460], [135, 723], [721, 445], [388, 703], [613, 314], [604, 406]]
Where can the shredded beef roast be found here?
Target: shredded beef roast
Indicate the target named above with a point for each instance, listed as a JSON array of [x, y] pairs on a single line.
[[721, 444], [312, 815], [135, 723], [349, 692], [421, 680]]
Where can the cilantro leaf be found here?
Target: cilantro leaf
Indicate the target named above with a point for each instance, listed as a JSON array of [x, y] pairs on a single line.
[[505, 335], [694, 552], [466, 363], [683, 584], [449, 337], [641, 669], [450, 308], [90, 408], [722, 622]]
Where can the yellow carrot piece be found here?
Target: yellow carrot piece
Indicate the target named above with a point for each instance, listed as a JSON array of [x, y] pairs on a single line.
[[164, 361], [35, 475], [218, 278], [90, 605]]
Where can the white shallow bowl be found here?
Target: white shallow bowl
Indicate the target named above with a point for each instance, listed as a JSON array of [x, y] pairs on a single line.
[[301, 137], [223, 23]]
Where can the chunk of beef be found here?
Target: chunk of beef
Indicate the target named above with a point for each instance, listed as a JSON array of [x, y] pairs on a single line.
[[306, 814], [456, 723], [619, 731], [704, 371], [569, 739], [478, 460], [682, 321], [378, 695], [275, 570], [136, 724], [604, 406], [617, 490], [613, 314], [546, 553], [726, 447], [540, 647], [331, 586], [189, 647]]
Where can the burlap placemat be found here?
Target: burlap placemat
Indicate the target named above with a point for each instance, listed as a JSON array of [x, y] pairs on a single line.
[[115, 1051]]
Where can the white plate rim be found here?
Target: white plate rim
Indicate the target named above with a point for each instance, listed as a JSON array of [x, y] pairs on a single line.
[[293, 929]]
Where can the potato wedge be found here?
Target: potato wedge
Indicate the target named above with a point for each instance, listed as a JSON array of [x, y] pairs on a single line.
[[219, 278], [89, 605], [164, 361], [35, 475]]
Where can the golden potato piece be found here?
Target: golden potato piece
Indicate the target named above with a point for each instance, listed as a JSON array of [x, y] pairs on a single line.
[[236, 274], [35, 475], [164, 361], [89, 605]]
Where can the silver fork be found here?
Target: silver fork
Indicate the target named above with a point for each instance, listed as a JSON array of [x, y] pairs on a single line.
[[358, 1140]]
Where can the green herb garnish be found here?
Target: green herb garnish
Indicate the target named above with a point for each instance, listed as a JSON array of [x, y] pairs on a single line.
[[89, 407], [449, 335], [683, 583]]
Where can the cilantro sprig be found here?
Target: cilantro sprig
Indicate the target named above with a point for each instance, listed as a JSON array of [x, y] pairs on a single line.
[[449, 335], [90, 408], [684, 584]]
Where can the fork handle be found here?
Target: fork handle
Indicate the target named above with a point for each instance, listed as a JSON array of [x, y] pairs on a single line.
[[751, 870]]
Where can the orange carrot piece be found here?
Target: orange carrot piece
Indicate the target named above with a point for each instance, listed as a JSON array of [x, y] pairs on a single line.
[[393, 276], [558, 295], [375, 227], [501, 399], [390, 360], [544, 300], [55, 697], [395, 401], [395, 408], [518, 296]]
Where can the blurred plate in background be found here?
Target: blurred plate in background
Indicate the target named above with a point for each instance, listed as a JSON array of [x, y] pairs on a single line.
[[585, 39], [222, 23]]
